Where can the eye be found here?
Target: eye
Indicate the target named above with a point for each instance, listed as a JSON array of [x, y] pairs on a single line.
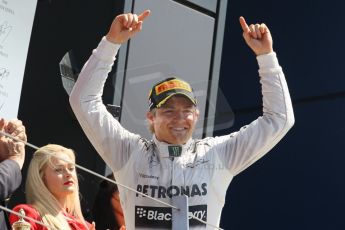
[[188, 112], [168, 111], [58, 170]]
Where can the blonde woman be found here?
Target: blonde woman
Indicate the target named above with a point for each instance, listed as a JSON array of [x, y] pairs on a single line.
[[52, 191]]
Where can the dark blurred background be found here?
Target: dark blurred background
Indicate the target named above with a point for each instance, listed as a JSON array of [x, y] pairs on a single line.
[[300, 184]]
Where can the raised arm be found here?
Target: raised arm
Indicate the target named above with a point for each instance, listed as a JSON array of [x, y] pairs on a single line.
[[104, 132], [241, 149]]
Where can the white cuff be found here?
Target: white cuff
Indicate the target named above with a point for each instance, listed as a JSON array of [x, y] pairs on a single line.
[[106, 50], [268, 61]]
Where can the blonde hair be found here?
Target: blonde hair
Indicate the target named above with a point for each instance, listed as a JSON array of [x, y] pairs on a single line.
[[38, 195]]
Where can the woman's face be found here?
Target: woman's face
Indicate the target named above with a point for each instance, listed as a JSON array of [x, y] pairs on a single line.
[[60, 177]]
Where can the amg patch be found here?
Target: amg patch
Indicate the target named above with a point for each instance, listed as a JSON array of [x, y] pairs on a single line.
[[175, 150]]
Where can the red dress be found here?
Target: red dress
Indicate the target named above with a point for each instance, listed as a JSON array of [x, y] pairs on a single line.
[[33, 213]]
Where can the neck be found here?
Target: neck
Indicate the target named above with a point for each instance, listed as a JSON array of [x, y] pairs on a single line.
[[63, 203], [169, 143]]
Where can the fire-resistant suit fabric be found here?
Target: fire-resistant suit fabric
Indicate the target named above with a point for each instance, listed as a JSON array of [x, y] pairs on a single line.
[[205, 167]]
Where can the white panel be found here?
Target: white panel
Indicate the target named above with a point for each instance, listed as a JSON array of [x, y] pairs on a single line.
[[175, 40], [16, 18], [207, 4]]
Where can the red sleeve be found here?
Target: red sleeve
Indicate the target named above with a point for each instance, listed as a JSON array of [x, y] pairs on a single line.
[[76, 224], [29, 212]]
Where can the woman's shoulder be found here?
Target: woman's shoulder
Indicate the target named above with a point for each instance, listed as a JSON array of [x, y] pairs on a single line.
[[24, 206], [29, 211]]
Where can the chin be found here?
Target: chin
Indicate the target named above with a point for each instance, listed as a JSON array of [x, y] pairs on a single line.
[[180, 141], [69, 191]]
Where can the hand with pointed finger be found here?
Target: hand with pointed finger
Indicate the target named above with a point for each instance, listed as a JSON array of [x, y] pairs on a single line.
[[126, 26], [257, 37]]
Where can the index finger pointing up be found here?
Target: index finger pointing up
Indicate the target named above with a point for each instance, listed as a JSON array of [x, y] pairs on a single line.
[[244, 25], [144, 15]]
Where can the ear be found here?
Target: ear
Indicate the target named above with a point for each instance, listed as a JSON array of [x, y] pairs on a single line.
[[149, 116], [197, 113]]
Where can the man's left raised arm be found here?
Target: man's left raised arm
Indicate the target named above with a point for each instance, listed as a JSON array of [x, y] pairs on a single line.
[[241, 149]]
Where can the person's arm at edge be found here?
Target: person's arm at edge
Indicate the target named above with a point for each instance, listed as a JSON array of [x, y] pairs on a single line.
[[13, 156], [10, 178]]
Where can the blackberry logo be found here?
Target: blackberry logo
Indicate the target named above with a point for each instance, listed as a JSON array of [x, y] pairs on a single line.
[[160, 217], [141, 212]]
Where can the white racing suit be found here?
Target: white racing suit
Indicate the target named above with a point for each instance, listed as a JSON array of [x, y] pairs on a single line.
[[205, 168]]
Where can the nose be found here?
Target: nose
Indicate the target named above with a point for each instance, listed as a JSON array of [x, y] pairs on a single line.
[[179, 115], [67, 172]]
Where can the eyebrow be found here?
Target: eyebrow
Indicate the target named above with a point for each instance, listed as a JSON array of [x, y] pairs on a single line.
[[62, 165], [171, 107]]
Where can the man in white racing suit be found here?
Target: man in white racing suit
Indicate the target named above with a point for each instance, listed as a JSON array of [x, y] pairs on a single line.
[[173, 163]]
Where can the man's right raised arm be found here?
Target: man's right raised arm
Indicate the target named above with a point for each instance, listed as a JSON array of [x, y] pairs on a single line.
[[86, 100], [104, 132]]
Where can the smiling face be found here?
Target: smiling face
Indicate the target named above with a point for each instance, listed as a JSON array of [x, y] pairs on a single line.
[[175, 120], [60, 177]]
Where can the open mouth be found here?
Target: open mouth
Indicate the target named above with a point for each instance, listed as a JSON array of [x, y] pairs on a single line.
[[180, 129]]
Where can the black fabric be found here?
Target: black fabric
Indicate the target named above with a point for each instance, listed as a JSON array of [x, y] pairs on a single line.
[[102, 210]]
